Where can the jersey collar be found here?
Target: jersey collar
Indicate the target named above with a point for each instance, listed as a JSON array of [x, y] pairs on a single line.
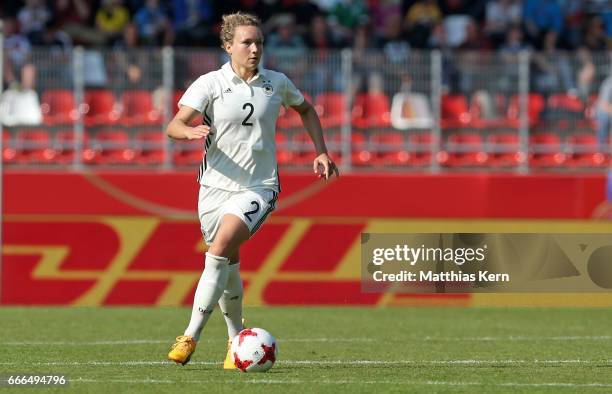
[[231, 75]]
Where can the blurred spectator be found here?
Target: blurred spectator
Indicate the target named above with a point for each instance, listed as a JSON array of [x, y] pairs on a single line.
[[285, 47], [193, 20], [500, 16], [420, 19], [450, 74], [509, 53], [19, 72], [347, 16], [304, 12], [574, 19], [604, 112], [383, 10], [456, 27], [595, 34], [32, 19], [541, 16], [319, 35], [56, 65], [394, 44], [409, 109], [474, 40], [19, 103], [366, 63], [153, 25], [552, 71], [321, 73], [585, 73], [75, 18], [111, 19]]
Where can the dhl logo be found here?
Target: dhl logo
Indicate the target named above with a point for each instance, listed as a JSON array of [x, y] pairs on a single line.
[[107, 260]]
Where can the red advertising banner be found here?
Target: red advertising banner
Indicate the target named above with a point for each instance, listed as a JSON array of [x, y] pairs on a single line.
[[133, 238]]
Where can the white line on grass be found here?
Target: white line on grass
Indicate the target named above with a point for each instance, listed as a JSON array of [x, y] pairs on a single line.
[[317, 362], [167, 341], [306, 340], [522, 338], [344, 381]]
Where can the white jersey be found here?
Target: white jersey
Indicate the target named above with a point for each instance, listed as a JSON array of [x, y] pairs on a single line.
[[241, 152]]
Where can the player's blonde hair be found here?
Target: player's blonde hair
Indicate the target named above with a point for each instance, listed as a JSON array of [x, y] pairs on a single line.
[[231, 21]]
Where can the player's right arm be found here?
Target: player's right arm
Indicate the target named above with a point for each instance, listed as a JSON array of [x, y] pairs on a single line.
[[179, 128]]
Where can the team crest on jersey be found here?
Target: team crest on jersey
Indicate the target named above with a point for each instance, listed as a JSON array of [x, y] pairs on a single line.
[[268, 89]]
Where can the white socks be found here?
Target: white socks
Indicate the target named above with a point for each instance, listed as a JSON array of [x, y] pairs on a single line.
[[231, 301], [213, 281]]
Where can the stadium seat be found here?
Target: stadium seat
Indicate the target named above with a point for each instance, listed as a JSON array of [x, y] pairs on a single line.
[[303, 149], [535, 106], [545, 150], [33, 146], [503, 150], [331, 108], [371, 111], [138, 110], [288, 119], [111, 147], [283, 153], [188, 152], [58, 107], [64, 146], [149, 147], [390, 149], [8, 150], [455, 111], [100, 108], [584, 152], [420, 148], [361, 154], [464, 149]]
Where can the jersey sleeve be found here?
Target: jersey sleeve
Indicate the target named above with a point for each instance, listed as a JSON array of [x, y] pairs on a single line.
[[292, 96], [198, 94]]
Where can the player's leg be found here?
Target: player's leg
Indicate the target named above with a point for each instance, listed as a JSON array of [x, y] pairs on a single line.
[[231, 234], [230, 304]]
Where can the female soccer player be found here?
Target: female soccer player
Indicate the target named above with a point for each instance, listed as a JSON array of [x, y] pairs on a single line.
[[238, 176]]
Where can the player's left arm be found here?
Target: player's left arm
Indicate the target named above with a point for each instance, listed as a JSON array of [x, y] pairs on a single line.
[[313, 127]]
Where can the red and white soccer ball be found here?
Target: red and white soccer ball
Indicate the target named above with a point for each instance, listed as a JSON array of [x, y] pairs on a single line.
[[254, 350]]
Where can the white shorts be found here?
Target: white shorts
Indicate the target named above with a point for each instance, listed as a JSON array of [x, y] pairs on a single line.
[[251, 206]]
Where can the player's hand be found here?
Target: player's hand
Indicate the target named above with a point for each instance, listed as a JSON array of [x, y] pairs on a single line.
[[198, 132], [323, 166]]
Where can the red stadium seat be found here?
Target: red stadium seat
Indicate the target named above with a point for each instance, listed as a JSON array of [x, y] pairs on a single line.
[[289, 119], [34, 146], [138, 109], [545, 150], [9, 153], [283, 153], [58, 107], [100, 108], [420, 148], [390, 149], [584, 151], [331, 108], [149, 147], [371, 110], [455, 111], [361, 155], [535, 106], [464, 149], [504, 150], [188, 152], [303, 149], [111, 147]]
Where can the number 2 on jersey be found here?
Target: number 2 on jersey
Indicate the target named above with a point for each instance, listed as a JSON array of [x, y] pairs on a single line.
[[246, 122]]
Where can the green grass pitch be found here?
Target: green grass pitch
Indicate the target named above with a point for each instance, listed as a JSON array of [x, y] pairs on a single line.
[[332, 350]]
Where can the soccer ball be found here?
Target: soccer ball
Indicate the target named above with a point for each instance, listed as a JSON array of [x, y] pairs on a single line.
[[254, 350]]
